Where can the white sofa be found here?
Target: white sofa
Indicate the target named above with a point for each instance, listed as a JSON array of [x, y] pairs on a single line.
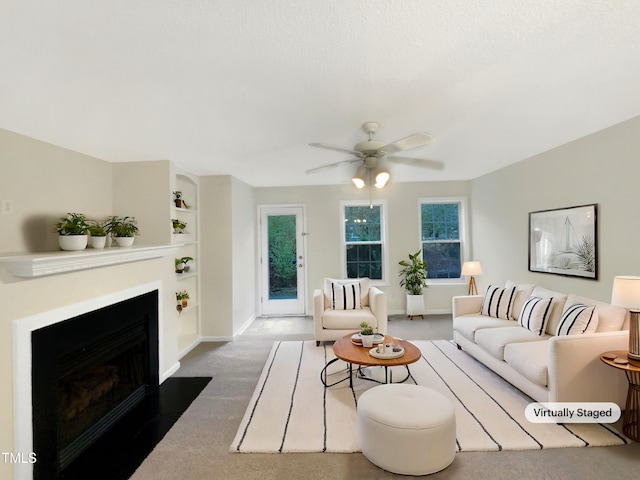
[[332, 320], [547, 367]]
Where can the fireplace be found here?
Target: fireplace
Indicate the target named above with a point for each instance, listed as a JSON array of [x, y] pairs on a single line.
[[87, 373]]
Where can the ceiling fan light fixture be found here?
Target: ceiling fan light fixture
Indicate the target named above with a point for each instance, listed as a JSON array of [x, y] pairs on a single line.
[[358, 178], [382, 177]]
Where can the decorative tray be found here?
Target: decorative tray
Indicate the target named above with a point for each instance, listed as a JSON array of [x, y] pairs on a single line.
[[357, 340], [388, 355]]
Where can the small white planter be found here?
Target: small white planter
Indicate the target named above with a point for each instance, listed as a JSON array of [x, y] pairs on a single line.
[[415, 305], [97, 242], [367, 340], [72, 242], [124, 241]]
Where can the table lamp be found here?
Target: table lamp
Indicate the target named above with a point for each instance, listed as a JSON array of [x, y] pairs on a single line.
[[626, 293], [472, 269]]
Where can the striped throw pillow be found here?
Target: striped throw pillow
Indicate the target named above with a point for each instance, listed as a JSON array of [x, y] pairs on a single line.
[[498, 302], [345, 296], [578, 319], [535, 314]]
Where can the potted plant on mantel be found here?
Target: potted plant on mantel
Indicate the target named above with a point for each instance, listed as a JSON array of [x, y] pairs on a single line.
[[72, 232], [98, 234], [413, 277], [123, 230]]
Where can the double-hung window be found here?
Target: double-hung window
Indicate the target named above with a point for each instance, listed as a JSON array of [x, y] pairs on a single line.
[[364, 240], [443, 239]]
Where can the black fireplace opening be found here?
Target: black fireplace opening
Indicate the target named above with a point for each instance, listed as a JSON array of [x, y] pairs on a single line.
[[87, 373]]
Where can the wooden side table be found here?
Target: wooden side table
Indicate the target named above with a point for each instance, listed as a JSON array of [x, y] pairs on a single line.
[[631, 419]]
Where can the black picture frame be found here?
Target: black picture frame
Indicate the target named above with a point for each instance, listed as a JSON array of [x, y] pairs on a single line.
[[564, 241]]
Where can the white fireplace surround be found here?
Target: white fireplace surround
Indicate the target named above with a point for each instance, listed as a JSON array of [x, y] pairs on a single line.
[[22, 328]]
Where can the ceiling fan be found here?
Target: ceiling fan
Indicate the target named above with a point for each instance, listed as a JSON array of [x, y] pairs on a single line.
[[370, 151]]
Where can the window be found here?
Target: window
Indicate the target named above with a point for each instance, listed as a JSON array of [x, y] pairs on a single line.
[[442, 236], [364, 240]]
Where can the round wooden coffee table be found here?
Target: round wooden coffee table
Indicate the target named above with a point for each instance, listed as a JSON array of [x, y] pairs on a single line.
[[344, 349]]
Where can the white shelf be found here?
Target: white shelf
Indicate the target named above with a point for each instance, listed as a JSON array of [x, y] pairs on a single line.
[[51, 263]]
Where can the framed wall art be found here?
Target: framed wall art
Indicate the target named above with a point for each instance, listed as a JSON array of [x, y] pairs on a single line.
[[564, 241]]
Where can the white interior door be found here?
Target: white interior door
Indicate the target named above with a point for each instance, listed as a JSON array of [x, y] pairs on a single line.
[[282, 260]]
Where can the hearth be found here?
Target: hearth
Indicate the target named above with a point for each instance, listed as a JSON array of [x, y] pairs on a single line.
[[87, 373]]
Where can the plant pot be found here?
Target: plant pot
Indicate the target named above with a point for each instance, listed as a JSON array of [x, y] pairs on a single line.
[[185, 302], [124, 241], [72, 242], [367, 340], [97, 242], [415, 305]]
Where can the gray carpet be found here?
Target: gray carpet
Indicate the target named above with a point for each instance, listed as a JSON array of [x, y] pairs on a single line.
[[197, 447]]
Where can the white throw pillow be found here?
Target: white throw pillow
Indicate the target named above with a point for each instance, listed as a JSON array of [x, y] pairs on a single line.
[[535, 314], [578, 319], [346, 294], [498, 302]]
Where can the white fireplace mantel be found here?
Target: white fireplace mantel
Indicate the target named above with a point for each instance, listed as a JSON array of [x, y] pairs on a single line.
[[50, 263]]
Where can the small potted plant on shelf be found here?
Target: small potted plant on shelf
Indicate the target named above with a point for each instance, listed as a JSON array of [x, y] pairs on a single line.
[[183, 298], [177, 199], [98, 234], [178, 225], [185, 261], [123, 230], [72, 232], [179, 265], [366, 333], [413, 277]]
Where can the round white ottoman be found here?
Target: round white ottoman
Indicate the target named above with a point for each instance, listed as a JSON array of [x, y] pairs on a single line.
[[406, 429]]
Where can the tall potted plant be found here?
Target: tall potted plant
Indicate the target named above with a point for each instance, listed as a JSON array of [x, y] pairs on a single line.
[[72, 232], [413, 277]]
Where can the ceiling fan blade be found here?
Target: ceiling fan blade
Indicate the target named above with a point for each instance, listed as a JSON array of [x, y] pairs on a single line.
[[332, 165], [337, 149], [412, 141], [418, 162]]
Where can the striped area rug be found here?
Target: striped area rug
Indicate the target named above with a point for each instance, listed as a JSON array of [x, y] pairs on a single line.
[[291, 410]]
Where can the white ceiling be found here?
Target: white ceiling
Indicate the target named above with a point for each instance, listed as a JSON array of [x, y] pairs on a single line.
[[241, 87]]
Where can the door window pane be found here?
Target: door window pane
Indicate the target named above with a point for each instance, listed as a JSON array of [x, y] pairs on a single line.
[[283, 281]]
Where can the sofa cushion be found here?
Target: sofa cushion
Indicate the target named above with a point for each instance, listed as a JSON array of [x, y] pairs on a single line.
[[498, 302], [494, 340], [610, 317], [578, 319], [523, 292], [535, 314], [530, 360], [348, 319], [557, 306], [467, 325], [328, 289]]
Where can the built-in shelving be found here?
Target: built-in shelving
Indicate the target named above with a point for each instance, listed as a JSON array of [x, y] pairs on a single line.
[[51, 263], [189, 330]]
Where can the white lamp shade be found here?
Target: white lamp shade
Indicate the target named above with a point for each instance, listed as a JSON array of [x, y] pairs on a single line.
[[358, 179], [626, 292], [471, 269], [382, 177]]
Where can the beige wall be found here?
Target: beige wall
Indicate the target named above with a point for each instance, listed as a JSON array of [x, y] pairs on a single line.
[[45, 182], [601, 168], [324, 232]]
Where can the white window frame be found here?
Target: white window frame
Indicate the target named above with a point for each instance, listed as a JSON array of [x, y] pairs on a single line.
[[383, 234], [463, 228]]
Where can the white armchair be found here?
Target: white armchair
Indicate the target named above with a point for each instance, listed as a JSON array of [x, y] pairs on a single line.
[[338, 309]]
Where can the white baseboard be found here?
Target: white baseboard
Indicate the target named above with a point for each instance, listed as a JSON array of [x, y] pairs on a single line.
[[216, 339], [244, 326], [174, 368]]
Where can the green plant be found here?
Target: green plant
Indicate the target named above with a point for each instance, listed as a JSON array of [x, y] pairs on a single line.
[[413, 274], [182, 295], [179, 265], [178, 224], [96, 229], [186, 260], [122, 226], [366, 329], [72, 224]]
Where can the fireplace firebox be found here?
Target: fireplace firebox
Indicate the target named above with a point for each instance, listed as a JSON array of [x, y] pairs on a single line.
[[87, 373]]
